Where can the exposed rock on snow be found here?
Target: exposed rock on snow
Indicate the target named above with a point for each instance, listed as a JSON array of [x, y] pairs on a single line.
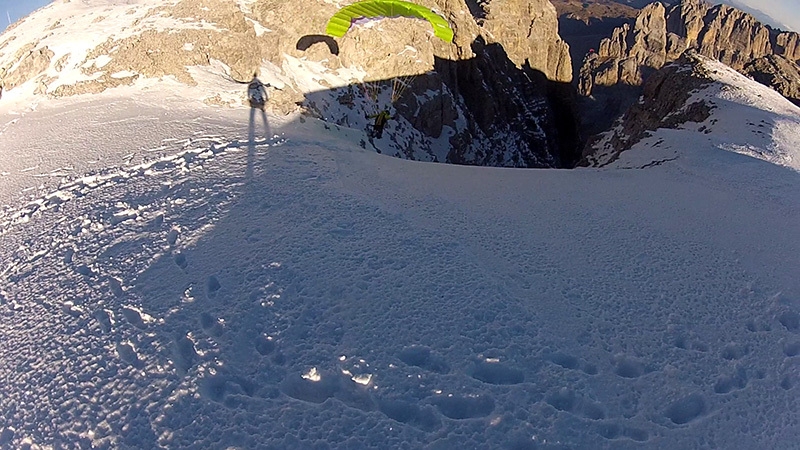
[[663, 105], [28, 62], [777, 72], [698, 94]]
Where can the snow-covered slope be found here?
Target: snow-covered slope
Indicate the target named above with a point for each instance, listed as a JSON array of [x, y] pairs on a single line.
[[745, 117], [174, 275]]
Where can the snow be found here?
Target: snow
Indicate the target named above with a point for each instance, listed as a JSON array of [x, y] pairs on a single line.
[[177, 275], [180, 275], [75, 31]]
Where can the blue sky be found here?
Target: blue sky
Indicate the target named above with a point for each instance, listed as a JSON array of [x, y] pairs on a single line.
[[785, 13], [13, 10]]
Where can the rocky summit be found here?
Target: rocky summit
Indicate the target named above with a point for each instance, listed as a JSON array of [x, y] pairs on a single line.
[[660, 35]]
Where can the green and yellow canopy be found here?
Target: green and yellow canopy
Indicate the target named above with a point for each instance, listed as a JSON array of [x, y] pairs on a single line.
[[340, 22]]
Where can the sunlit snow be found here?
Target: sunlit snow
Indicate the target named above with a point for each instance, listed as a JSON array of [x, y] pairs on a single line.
[[203, 290], [177, 275]]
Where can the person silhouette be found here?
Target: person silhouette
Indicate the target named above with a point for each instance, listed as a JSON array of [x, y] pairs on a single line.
[[257, 93]]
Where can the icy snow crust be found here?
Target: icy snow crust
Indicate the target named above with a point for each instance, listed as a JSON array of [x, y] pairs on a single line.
[[205, 277]]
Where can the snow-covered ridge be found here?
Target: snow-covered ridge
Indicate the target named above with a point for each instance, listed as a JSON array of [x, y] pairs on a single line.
[[234, 291], [771, 128], [737, 114]]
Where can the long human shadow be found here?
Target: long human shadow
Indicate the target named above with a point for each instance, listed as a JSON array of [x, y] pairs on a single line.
[[257, 284], [252, 141]]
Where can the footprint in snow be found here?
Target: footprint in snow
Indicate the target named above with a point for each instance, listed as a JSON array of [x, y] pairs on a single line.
[[492, 371], [157, 221], [134, 317], [424, 358], [265, 344], [460, 407], [172, 236], [729, 383], [316, 387], [180, 260], [104, 319], [84, 270], [564, 360], [755, 327], [212, 286], [791, 348], [128, 354], [686, 409], [410, 413], [629, 368], [570, 362], [684, 342], [569, 401], [612, 430], [184, 353], [225, 389], [116, 287], [790, 320], [68, 255], [734, 351], [788, 381], [211, 325]]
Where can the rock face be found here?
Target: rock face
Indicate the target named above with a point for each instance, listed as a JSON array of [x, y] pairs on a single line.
[[29, 61], [528, 31], [663, 104], [511, 113], [166, 39], [777, 72], [661, 35]]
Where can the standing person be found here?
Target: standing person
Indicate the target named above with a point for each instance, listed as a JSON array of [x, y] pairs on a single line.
[[257, 93]]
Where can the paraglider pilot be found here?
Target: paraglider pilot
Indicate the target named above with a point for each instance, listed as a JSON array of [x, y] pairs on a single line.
[[380, 122], [257, 93]]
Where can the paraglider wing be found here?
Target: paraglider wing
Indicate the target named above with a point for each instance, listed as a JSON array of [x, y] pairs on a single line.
[[340, 22], [310, 39]]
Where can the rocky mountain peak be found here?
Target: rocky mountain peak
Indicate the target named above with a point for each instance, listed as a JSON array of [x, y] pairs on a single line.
[[183, 40], [661, 35], [528, 31], [778, 72]]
